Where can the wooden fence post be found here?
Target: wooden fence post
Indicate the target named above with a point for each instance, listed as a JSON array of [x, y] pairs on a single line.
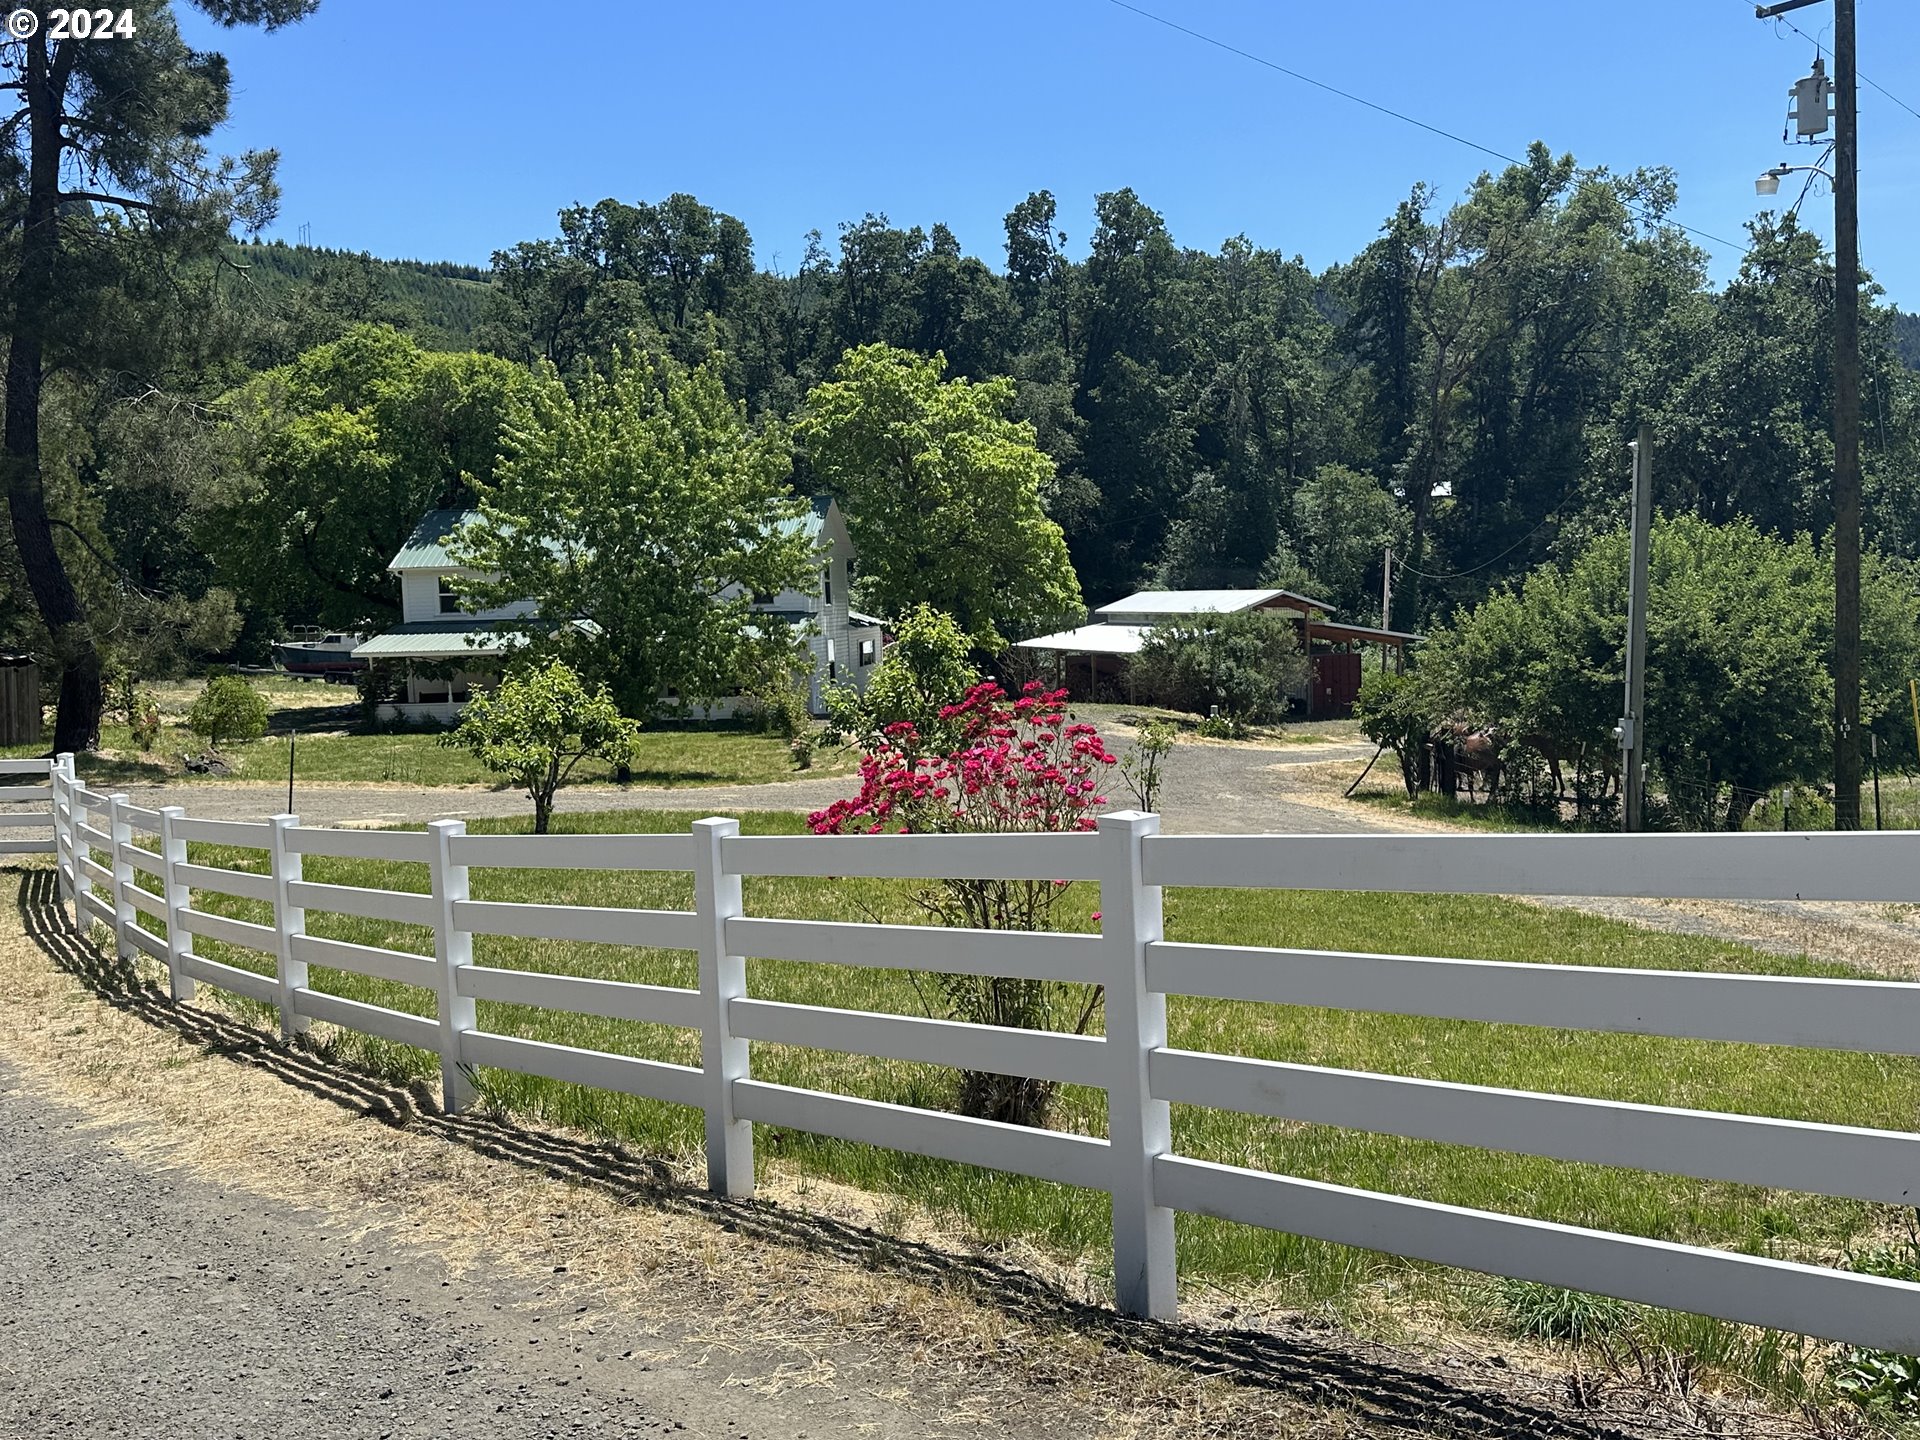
[[453, 947], [122, 867], [723, 978], [60, 776], [1138, 1125], [289, 920], [173, 890]]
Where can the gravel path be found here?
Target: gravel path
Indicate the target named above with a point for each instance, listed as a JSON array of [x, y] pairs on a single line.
[[144, 1303], [1237, 789]]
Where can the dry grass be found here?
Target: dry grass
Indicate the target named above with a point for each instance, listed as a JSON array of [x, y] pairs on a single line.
[[820, 1284]]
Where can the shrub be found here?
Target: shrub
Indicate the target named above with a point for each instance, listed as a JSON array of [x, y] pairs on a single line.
[[143, 718], [1141, 768], [1016, 768], [1242, 665], [228, 708], [1393, 711], [777, 698], [381, 683]]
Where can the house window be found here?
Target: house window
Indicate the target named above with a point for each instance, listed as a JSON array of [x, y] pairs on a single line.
[[763, 597], [449, 601], [826, 583], [833, 666], [866, 653]]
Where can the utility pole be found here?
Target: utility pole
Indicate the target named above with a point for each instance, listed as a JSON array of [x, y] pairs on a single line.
[[1386, 592], [1846, 407], [1846, 423], [1632, 728]]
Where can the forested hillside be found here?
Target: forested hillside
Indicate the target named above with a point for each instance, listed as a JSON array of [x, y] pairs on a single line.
[[440, 303]]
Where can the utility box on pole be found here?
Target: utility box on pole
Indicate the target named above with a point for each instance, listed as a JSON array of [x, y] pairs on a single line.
[[1633, 721]]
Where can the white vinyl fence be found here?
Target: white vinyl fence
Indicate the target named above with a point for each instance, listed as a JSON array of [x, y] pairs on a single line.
[[1136, 1164]]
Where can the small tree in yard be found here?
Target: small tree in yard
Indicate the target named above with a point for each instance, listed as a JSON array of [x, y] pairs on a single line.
[[537, 727], [228, 708], [1016, 767]]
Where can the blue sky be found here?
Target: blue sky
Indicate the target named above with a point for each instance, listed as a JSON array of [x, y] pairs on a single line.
[[444, 129]]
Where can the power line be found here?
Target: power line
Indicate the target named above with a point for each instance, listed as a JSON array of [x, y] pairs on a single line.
[[1647, 215], [1318, 84]]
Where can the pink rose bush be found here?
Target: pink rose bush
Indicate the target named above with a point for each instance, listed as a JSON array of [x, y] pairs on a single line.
[[1019, 766]]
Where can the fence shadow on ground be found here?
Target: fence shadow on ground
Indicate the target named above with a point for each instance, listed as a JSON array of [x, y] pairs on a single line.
[[1369, 1384]]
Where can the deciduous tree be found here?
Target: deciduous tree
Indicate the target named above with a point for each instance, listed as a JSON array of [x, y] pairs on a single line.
[[942, 495], [539, 725], [642, 513]]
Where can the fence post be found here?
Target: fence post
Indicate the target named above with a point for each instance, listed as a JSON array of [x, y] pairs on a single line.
[[453, 947], [1138, 1125], [122, 868], [80, 850], [723, 977], [289, 920], [173, 854], [58, 776]]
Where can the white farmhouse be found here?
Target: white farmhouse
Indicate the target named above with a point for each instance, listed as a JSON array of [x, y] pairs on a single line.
[[450, 651], [845, 644]]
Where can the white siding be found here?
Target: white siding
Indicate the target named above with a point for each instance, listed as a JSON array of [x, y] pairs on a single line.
[[420, 599]]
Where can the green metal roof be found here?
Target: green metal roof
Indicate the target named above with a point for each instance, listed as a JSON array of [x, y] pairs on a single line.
[[439, 640], [426, 547]]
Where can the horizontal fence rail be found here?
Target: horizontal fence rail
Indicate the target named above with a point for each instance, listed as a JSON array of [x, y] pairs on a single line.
[[1863, 865], [1141, 1075]]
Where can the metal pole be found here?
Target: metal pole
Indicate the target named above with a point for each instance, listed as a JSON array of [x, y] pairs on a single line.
[[1633, 785], [1874, 745], [1846, 423]]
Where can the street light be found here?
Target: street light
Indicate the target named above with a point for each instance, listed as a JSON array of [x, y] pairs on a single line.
[[1768, 183]]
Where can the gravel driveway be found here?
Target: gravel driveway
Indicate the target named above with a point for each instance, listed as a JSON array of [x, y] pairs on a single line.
[[1237, 789]]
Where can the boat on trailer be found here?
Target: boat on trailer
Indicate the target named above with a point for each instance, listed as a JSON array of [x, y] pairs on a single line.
[[309, 650]]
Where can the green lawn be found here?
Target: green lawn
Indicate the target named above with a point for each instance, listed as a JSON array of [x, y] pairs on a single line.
[[1803, 1085], [719, 756]]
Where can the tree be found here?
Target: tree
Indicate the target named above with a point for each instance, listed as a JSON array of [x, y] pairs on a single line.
[[642, 512], [228, 706], [1345, 521], [942, 495], [539, 725], [1243, 665], [107, 182], [1737, 689], [927, 668], [333, 459]]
